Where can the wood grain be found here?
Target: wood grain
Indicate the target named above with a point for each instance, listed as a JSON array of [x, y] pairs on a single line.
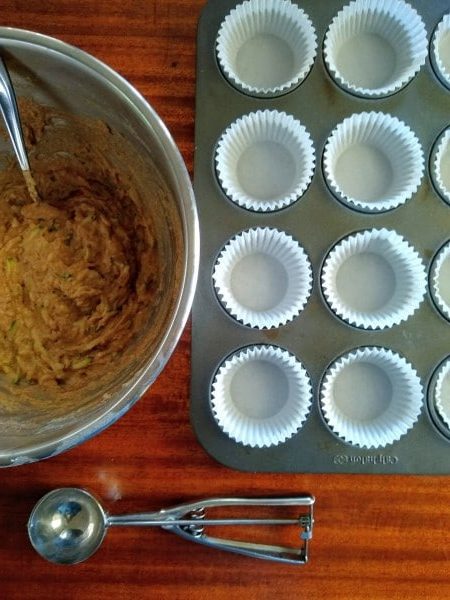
[[376, 537]]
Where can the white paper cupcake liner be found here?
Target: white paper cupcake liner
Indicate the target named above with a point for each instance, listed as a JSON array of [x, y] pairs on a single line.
[[442, 392], [440, 165], [261, 396], [371, 397], [440, 280], [266, 47], [373, 162], [265, 161], [263, 278], [373, 279], [440, 50], [373, 48]]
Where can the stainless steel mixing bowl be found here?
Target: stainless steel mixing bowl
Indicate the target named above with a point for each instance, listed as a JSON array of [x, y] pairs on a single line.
[[57, 74]]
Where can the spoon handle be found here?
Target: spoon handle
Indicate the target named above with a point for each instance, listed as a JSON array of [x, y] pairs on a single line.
[[10, 113]]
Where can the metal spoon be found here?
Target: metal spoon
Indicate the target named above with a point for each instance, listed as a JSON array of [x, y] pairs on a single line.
[[68, 525], [10, 113]]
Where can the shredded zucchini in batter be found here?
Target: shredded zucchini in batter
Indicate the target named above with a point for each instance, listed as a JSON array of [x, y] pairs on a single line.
[[78, 269]]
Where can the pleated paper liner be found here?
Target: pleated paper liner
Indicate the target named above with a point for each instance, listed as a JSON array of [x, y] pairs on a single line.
[[265, 161], [442, 392], [373, 48], [440, 51], [261, 396], [440, 165], [440, 280], [263, 278], [266, 48], [373, 162], [373, 279], [371, 397]]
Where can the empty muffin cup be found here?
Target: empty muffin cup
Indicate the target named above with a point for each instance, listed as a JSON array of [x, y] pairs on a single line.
[[370, 397], [266, 48], [263, 278], [440, 280], [265, 161], [373, 49], [373, 162], [440, 165], [373, 279], [442, 392], [440, 51], [261, 396]]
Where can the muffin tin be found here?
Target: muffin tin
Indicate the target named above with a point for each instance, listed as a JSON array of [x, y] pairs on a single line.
[[272, 330]]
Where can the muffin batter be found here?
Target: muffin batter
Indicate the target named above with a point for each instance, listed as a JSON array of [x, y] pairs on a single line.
[[81, 267]]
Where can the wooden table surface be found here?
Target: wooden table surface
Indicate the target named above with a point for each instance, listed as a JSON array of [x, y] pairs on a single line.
[[375, 536]]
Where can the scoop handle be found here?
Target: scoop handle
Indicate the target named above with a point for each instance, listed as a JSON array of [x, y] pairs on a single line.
[[10, 113], [190, 520]]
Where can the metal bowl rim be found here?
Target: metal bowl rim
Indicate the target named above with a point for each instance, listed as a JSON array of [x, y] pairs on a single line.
[[188, 212]]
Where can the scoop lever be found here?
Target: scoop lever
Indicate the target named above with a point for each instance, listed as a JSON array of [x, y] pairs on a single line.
[[196, 512]]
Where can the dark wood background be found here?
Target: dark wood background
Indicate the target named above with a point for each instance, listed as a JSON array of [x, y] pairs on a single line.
[[375, 537]]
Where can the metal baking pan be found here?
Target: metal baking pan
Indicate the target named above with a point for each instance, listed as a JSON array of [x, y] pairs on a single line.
[[317, 221]]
